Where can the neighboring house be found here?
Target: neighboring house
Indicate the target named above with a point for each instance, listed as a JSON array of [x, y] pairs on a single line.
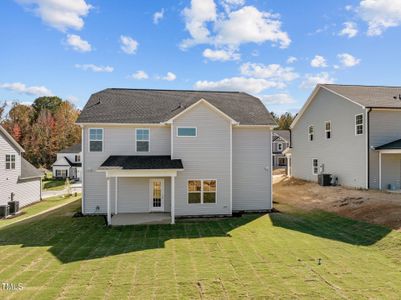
[[68, 163], [281, 141], [186, 153], [19, 180], [353, 132]]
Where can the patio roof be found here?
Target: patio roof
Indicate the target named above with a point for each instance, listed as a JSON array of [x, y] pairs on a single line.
[[395, 145], [144, 162]]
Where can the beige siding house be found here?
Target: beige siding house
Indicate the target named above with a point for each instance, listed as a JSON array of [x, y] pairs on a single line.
[[352, 132], [174, 154], [19, 180]]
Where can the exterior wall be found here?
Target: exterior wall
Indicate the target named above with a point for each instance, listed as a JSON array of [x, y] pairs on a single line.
[[28, 191], [391, 170], [344, 154], [385, 127], [252, 169], [276, 160], [118, 140], [206, 156], [60, 168]]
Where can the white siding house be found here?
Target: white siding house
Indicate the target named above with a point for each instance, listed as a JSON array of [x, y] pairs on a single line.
[[68, 163], [181, 153]]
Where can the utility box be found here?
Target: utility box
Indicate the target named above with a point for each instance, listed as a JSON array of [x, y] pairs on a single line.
[[324, 179], [14, 207], [4, 211]]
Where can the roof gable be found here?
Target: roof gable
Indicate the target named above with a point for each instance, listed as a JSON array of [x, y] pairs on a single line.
[[11, 139]]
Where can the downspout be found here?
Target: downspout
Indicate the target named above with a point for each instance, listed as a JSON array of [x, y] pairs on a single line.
[[368, 145]]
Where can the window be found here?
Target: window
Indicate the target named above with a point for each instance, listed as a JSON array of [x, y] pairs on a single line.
[[10, 162], [187, 131], [328, 129], [95, 140], [142, 140], [359, 124], [77, 158], [311, 132], [61, 173], [282, 162], [201, 191], [315, 166], [280, 147]]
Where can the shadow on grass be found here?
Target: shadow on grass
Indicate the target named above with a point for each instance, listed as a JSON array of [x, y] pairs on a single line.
[[77, 239]]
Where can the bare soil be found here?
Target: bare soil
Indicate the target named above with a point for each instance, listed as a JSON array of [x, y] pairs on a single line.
[[372, 206]]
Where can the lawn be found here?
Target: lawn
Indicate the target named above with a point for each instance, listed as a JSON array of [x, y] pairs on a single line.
[[255, 256], [51, 184]]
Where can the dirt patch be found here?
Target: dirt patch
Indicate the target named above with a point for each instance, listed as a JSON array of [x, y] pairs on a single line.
[[367, 205]]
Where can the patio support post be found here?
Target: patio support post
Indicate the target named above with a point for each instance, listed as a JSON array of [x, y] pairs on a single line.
[[108, 202], [380, 170], [116, 194], [172, 199]]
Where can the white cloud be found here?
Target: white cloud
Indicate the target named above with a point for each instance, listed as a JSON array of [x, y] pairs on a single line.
[[380, 15], [158, 16], [311, 80], [170, 76], [292, 59], [60, 14], [348, 7], [221, 55], [232, 28], [281, 99], [140, 75], [231, 4], [347, 60], [249, 85], [21, 88], [95, 68], [350, 30], [318, 62], [78, 44], [274, 72], [128, 44]]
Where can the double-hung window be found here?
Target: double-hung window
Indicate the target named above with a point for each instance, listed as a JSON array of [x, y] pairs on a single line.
[[77, 158], [311, 133], [142, 139], [359, 124], [315, 166], [328, 129], [187, 132], [95, 140], [10, 162], [202, 191]]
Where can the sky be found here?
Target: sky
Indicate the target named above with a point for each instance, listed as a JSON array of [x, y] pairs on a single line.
[[277, 50]]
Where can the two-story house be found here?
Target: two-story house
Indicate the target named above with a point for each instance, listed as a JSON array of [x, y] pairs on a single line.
[[182, 153], [68, 163], [19, 180], [351, 131], [281, 141]]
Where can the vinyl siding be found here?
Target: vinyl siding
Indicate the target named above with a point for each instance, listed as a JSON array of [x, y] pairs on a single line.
[[344, 154], [391, 170], [117, 141], [251, 169], [206, 156], [385, 127], [28, 192]]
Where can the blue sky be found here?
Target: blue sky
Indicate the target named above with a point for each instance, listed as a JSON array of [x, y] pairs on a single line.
[[277, 49]]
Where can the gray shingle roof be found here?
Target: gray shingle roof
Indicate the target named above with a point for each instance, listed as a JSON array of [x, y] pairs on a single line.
[[145, 162], [369, 96], [284, 134], [29, 171], [72, 149], [73, 164], [155, 106], [395, 145]]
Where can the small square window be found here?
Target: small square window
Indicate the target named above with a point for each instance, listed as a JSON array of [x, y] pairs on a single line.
[[186, 132]]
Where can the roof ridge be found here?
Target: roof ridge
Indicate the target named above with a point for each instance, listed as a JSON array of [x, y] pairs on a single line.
[[362, 85], [171, 90]]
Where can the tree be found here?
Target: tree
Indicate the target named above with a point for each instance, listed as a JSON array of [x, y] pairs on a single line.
[[2, 110], [18, 122], [284, 121], [46, 103]]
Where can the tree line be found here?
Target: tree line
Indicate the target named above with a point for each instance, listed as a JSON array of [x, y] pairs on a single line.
[[43, 128]]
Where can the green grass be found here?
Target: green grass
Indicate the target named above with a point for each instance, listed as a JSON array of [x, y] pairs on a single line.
[[51, 184], [270, 256]]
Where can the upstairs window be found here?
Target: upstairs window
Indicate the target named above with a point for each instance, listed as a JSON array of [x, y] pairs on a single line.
[[311, 133], [77, 158], [142, 140], [10, 162], [202, 191], [359, 124], [315, 166], [328, 129], [95, 140], [187, 132]]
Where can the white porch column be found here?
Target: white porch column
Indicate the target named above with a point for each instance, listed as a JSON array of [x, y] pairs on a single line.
[[116, 194], [108, 202], [380, 170], [172, 199]]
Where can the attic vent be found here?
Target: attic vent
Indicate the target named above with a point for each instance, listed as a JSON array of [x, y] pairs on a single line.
[[399, 97], [179, 107]]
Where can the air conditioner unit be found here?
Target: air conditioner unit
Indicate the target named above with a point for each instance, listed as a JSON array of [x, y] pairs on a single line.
[[13, 207], [4, 211]]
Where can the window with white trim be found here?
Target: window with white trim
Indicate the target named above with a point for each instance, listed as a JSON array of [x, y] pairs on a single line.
[[10, 161], [187, 131], [202, 191], [311, 133], [142, 136], [315, 166], [95, 140], [77, 158], [328, 129], [280, 147], [359, 124]]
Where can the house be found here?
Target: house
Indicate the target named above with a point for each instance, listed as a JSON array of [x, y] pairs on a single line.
[[351, 131], [68, 163], [19, 180], [281, 141], [181, 153]]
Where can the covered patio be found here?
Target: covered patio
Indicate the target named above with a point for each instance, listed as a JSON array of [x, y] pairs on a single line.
[[140, 178], [390, 166]]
